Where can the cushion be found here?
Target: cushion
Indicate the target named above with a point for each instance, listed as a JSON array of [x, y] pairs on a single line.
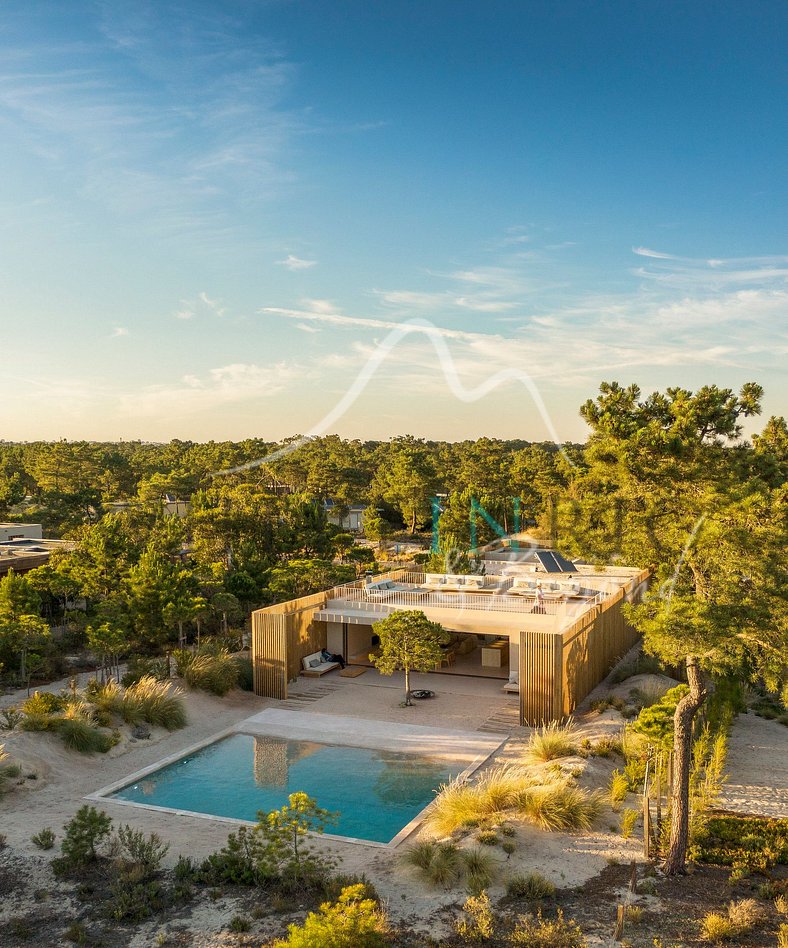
[[314, 662]]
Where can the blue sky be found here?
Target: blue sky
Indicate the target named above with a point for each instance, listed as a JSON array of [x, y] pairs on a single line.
[[216, 217]]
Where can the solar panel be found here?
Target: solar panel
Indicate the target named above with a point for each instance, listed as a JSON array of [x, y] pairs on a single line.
[[554, 562]]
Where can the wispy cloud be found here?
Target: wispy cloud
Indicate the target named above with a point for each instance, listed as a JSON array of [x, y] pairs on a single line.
[[293, 263], [174, 122], [712, 274], [119, 331], [227, 385], [200, 305]]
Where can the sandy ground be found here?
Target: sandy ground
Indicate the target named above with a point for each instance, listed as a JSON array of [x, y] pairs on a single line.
[[64, 778], [757, 768]]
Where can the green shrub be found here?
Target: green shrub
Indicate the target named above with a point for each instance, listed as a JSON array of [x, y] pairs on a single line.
[[156, 702], [83, 835], [508, 847], [353, 921], [134, 903], [44, 839], [478, 867], [216, 673], [552, 742], [43, 702], [80, 735], [656, 721], [245, 673], [144, 853], [446, 866], [276, 851], [420, 854], [745, 841], [240, 924], [487, 838], [141, 667], [530, 886], [557, 933]]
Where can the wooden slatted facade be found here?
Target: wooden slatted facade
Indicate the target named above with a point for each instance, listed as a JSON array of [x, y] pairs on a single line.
[[558, 669], [283, 634]]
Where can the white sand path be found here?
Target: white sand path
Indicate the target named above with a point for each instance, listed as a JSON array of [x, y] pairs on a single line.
[[757, 768]]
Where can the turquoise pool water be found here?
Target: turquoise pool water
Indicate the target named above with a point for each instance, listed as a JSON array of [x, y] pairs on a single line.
[[376, 793]]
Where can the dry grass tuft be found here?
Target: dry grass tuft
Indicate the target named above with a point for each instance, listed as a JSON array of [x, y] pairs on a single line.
[[552, 742]]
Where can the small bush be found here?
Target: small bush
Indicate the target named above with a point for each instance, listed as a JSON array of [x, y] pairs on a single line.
[[216, 673], [44, 839], [478, 924], [145, 853], [79, 735], [507, 830], [487, 838], [420, 855], [530, 886], [782, 936], [245, 674], [552, 742], [508, 847], [9, 718], [134, 903], [781, 904], [634, 914], [351, 922], [77, 933], [740, 918], [43, 702], [538, 933], [629, 819], [240, 924], [83, 835], [140, 667], [606, 747], [478, 869]]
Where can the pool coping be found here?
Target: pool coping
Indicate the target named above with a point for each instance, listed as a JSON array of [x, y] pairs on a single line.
[[251, 726]]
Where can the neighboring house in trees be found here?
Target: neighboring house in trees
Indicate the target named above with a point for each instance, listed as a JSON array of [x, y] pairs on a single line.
[[349, 517]]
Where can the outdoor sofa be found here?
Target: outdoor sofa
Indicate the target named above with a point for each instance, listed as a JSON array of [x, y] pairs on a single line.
[[314, 666]]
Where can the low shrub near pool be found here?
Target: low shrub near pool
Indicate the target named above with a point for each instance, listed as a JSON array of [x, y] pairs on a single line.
[[744, 841]]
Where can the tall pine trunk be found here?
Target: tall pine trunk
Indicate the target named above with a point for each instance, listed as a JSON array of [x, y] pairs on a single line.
[[686, 709], [407, 685]]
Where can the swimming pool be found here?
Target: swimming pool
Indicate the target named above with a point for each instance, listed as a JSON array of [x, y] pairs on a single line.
[[376, 793]]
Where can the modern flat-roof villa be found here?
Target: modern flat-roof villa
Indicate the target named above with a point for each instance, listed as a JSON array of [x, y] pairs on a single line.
[[548, 628]]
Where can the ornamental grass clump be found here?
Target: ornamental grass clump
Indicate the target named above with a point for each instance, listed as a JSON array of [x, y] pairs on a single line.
[[479, 869], [157, 702], [79, 734], [460, 804], [740, 918], [438, 864], [552, 742], [530, 886], [215, 672], [561, 806]]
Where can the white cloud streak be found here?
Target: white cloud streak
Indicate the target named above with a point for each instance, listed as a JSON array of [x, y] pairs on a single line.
[[294, 264]]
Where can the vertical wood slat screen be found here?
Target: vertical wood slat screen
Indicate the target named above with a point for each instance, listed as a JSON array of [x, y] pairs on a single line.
[[558, 670], [283, 634]]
